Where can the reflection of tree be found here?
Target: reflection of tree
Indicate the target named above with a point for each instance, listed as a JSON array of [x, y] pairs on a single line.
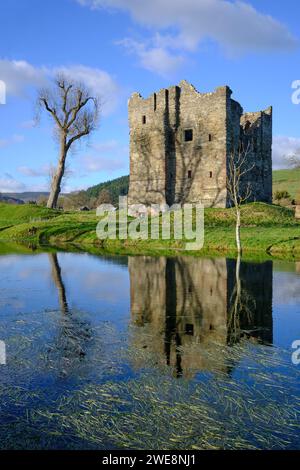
[[250, 301], [74, 333], [241, 304], [57, 279]]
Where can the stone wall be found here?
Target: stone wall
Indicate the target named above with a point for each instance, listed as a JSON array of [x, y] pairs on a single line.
[[148, 149], [256, 135], [181, 141]]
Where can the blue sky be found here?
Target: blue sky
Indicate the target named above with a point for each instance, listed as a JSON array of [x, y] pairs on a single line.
[[122, 46]]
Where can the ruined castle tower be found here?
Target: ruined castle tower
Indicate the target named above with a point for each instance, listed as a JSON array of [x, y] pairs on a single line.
[[181, 141]]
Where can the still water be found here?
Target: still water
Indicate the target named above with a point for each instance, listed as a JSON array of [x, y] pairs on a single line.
[[148, 353]]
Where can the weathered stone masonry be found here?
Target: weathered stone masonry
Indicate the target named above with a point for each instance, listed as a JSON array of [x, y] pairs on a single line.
[[181, 141]]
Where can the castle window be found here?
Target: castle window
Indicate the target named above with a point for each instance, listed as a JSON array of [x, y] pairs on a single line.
[[210, 174], [209, 137], [188, 135], [144, 119], [189, 329], [155, 102], [189, 173]]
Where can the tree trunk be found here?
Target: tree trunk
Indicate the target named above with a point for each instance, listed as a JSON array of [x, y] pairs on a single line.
[[58, 176], [57, 279], [237, 302], [238, 231]]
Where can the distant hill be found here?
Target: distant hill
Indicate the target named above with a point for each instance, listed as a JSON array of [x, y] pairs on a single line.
[[26, 196], [10, 200], [117, 187], [288, 180]]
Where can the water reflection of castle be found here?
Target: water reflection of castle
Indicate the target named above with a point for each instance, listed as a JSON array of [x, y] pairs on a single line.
[[185, 302]]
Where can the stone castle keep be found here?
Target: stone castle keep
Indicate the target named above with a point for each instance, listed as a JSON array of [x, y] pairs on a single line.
[[181, 142]]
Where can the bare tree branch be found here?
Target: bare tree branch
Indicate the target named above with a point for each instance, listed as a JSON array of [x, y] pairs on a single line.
[[75, 113], [52, 112]]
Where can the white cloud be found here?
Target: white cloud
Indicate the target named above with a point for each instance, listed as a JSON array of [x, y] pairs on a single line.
[[235, 25], [286, 289], [283, 147], [20, 77], [14, 139], [8, 184], [98, 81], [156, 59]]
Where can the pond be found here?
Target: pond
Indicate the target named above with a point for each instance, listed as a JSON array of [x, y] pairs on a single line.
[[140, 352]]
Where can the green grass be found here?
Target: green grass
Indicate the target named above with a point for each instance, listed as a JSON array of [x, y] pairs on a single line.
[[266, 230], [14, 214], [288, 180]]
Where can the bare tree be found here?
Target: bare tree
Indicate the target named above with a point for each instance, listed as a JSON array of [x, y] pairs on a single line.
[[238, 191], [76, 200], [104, 197], [75, 115]]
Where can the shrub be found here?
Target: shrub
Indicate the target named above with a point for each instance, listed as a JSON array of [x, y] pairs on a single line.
[[283, 194]]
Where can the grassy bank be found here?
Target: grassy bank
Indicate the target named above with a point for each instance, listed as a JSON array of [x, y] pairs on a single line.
[[286, 180], [267, 230]]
